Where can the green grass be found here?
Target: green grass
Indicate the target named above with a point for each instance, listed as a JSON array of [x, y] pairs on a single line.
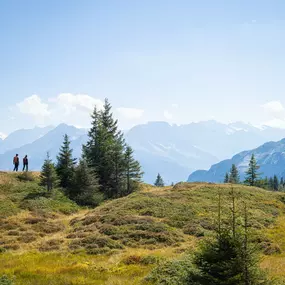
[[46, 239]]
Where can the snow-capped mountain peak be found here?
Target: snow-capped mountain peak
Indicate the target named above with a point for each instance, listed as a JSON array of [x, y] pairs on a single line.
[[3, 136]]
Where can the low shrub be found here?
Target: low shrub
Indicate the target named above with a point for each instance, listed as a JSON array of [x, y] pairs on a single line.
[[270, 248], [5, 280], [132, 259], [27, 237], [143, 260], [2, 249], [34, 220], [94, 242], [51, 245], [13, 233], [176, 272], [194, 230], [49, 227], [26, 177]]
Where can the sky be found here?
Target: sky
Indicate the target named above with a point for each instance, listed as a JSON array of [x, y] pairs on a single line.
[[178, 61]]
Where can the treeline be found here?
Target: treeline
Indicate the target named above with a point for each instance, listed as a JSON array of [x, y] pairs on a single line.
[[107, 168], [272, 183], [253, 177]]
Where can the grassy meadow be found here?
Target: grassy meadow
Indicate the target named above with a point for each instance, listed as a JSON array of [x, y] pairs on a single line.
[[47, 239]]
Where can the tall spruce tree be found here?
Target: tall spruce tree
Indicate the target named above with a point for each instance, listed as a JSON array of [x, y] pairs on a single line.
[[85, 187], [105, 152], [281, 184], [65, 164], [234, 175], [275, 183], [91, 151], [271, 183], [133, 171], [48, 177], [265, 183], [159, 181], [251, 174], [118, 180], [226, 179]]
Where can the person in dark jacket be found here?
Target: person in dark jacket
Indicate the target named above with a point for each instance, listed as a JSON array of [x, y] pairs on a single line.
[[25, 163], [16, 162]]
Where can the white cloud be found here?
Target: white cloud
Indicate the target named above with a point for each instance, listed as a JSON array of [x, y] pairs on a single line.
[[167, 115], [130, 113], [33, 106], [79, 102], [275, 114], [73, 109], [273, 107], [276, 123], [176, 106]]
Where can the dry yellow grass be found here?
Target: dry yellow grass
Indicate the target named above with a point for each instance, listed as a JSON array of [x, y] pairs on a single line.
[[158, 222]]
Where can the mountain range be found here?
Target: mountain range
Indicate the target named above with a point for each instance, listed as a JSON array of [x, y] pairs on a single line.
[[49, 140], [172, 150], [269, 156]]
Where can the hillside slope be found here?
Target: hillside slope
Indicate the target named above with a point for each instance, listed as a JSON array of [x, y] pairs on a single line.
[[47, 239]]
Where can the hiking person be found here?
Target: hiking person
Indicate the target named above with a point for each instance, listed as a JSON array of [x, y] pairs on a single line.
[[16, 162], [25, 163]]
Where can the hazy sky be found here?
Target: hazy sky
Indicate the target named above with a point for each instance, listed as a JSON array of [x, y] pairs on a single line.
[[178, 61]]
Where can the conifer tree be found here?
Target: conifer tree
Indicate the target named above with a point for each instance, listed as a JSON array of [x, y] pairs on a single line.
[[133, 171], [266, 182], [117, 169], [105, 153], [234, 175], [251, 174], [275, 183], [91, 151], [159, 181], [229, 258], [271, 183], [226, 179], [281, 184], [65, 164], [85, 187], [48, 177], [263, 183]]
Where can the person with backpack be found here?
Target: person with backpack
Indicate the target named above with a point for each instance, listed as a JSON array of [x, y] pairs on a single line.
[[16, 162], [25, 163]]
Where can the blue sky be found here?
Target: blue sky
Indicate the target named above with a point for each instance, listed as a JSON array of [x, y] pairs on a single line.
[[178, 61]]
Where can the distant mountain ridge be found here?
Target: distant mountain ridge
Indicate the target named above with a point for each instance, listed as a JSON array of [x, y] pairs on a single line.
[[270, 156], [172, 150], [2, 137], [37, 150], [22, 137]]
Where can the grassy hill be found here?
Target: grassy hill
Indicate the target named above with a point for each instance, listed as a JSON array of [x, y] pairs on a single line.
[[47, 239]]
